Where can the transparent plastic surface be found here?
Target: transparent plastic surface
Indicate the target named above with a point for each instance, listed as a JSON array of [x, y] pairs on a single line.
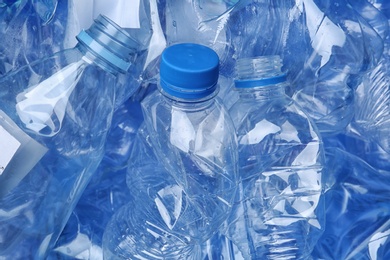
[[106, 191], [160, 221], [30, 30], [196, 143], [325, 45], [372, 118], [202, 22], [73, 130], [139, 19], [357, 212], [280, 212], [337, 52], [357, 219], [150, 226]]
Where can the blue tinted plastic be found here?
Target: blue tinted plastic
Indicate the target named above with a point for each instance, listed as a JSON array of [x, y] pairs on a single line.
[[167, 225], [334, 53], [64, 103], [198, 136], [202, 22], [357, 212], [31, 30], [50, 190], [106, 192]]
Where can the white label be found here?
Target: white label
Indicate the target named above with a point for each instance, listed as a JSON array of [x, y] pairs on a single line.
[[19, 153], [8, 147]]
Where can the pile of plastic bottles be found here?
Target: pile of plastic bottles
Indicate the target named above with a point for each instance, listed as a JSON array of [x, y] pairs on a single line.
[[195, 129]]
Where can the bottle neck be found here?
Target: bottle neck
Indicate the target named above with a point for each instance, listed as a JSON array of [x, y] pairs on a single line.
[[90, 57], [108, 46], [260, 77], [263, 92], [189, 104]]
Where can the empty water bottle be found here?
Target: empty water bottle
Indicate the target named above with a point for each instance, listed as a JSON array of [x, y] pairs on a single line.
[[280, 211], [107, 190], [54, 117], [151, 225], [192, 133], [160, 221]]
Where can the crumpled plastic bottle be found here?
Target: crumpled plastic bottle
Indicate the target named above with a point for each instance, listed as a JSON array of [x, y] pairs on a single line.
[[159, 220], [54, 118], [280, 212], [357, 219], [106, 192], [192, 132], [151, 224], [337, 54]]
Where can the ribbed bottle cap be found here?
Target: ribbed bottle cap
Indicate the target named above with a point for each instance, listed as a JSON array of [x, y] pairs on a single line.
[[110, 42], [259, 71], [189, 71]]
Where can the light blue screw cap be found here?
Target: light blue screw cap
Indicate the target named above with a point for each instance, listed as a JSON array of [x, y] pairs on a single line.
[[189, 71]]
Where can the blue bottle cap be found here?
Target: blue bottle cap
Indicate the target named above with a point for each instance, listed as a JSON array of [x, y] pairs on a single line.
[[189, 71]]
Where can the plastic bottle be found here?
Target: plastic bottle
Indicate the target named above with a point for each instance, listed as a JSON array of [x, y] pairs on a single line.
[[159, 221], [280, 211], [192, 132], [106, 192], [147, 226], [54, 118], [357, 216]]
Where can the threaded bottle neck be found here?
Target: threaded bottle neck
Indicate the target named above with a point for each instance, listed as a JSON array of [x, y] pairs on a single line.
[[108, 45], [259, 72]]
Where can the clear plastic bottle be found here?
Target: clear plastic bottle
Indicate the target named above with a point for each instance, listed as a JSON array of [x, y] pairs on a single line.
[[159, 221], [192, 133], [151, 224], [54, 118], [106, 192], [280, 211]]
